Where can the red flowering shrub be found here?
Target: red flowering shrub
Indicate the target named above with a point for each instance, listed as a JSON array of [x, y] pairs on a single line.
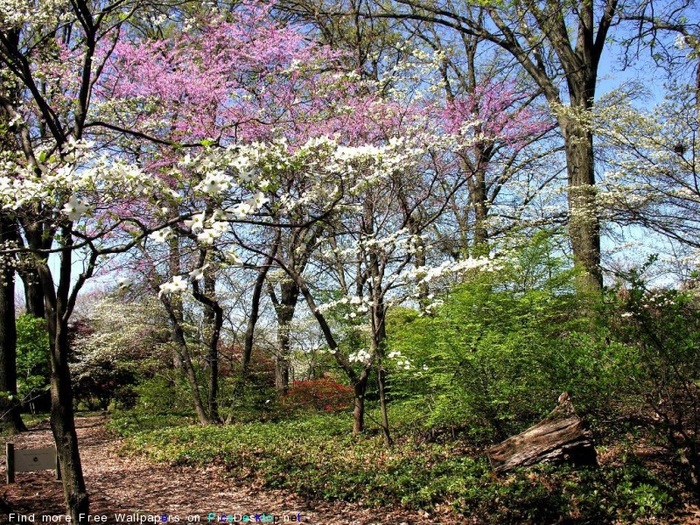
[[318, 394]]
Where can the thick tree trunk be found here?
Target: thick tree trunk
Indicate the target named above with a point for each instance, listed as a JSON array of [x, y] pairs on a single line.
[[33, 293], [282, 365], [579, 59], [213, 320], [59, 306], [478, 195], [38, 239], [63, 422], [9, 403], [379, 346], [584, 225], [284, 308]]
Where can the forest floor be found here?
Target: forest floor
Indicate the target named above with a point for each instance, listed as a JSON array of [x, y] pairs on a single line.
[[126, 489]]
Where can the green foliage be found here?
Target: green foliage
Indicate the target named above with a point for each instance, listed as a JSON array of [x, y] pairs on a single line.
[[121, 343], [33, 366], [131, 422], [626, 493], [502, 347], [661, 330], [163, 394]]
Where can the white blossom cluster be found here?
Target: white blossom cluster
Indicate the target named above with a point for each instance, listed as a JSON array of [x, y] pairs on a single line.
[[361, 356], [241, 180], [15, 14], [359, 306], [401, 362], [651, 161], [75, 187], [426, 274]]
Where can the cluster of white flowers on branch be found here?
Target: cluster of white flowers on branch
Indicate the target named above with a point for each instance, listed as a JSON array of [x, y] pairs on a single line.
[[75, 186], [245, 183]]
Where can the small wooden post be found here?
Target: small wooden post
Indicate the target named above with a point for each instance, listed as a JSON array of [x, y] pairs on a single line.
[[58, 468], [10, 455]]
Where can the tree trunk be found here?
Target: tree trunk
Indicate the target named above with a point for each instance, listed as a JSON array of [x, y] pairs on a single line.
[[478, 195], [252, 322], [285, 308], [358, 413], [381, 380], [39, 238], [359, 382], [174, 308], [9, 403], [213, 321], [184, 356], [379, 346], [33, 293], [63, 422], [584, 225], [58, 310]]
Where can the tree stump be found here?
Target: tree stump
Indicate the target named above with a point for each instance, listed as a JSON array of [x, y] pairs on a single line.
[[561, 437]]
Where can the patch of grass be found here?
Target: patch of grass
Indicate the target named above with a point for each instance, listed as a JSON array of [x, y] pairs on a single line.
[[129, 423], [316, 457], [31, 420]]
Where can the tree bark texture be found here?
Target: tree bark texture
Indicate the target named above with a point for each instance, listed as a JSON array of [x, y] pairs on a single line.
[[560, 437], [358, 412], [284, 308]]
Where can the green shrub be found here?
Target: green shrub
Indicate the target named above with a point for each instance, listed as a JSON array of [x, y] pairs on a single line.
[[165, 393], [33, 366], [496, 355], [316, 457], [661, 330], [131, 422]]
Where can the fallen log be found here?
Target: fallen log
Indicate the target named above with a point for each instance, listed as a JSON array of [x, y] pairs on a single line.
[[561, 437]]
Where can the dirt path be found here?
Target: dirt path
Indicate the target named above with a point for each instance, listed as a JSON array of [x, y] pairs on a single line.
[[134, 486]]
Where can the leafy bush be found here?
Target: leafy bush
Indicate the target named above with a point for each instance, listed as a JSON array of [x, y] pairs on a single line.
[[99, 378], [661, 329], [165, 393], [131, 422], [33, 366], [503, 346]]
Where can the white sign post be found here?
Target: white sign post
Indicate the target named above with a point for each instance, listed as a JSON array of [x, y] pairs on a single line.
[[30, 460]]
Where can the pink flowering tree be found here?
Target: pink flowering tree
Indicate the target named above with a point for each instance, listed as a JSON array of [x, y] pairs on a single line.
[[232, 81], [497, 128]]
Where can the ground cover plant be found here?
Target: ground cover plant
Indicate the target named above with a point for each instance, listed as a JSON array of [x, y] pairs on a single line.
[[315, 457]]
